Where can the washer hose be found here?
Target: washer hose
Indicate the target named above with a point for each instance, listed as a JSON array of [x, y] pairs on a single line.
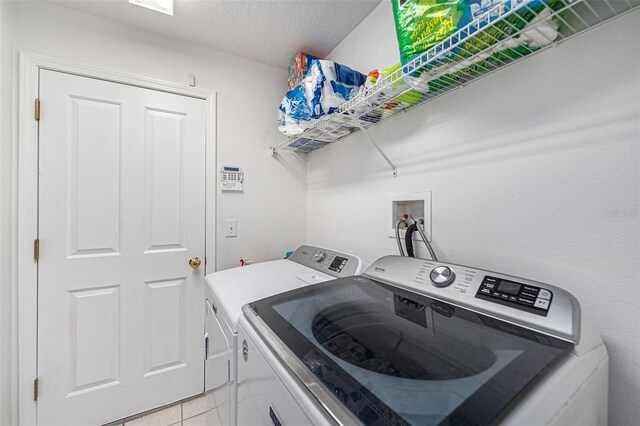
[[398, 223], [407, 239], [426, 242]]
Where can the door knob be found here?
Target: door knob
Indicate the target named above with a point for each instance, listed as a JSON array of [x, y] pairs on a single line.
[[194, 262]]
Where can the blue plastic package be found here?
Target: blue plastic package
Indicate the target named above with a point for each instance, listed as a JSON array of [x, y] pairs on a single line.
[[326, 86], [295, 104]]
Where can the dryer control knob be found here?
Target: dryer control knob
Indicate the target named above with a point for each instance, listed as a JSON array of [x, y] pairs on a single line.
[[442, 276], [319, 256]]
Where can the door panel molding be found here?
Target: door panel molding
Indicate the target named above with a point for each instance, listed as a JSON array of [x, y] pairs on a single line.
[[90, 234], [164, 341], [95, 350], [26, 188], [164, 193]]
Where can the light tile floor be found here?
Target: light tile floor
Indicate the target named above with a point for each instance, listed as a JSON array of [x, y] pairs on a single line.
[[189, 413]]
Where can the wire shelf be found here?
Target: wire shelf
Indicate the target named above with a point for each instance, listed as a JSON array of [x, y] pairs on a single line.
[[504, 35]]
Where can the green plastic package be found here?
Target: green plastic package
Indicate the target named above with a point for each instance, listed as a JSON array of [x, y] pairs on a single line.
[[421, 24]]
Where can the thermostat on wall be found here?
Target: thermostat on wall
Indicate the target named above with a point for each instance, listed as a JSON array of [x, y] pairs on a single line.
[[231, 178]]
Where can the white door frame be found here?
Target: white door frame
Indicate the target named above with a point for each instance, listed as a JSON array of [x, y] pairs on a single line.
[[27, 218]]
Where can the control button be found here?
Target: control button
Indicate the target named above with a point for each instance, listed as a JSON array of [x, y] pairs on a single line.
[[527, 294], [496, 294], [513, 299], [319, 256], [530, 289], [442, 276], [542, 303], [490, 285], [504, 296], [526, 301], [544, 294], [485, 291]]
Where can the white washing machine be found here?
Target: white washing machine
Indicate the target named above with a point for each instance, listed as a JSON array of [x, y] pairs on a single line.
[[420, 342], [227, 291]]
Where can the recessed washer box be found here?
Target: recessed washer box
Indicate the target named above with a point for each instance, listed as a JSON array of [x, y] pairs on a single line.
[[416, 204]]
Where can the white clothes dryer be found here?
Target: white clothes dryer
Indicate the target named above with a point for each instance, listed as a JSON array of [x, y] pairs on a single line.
[[225, 294]]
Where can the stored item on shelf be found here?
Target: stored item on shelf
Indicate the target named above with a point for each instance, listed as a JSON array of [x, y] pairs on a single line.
[[294, 81], [326, 86], [423, 24], [334, 134], [401, 93], [537, 34], [336, 83], [299, 68], [307, 145], [289, 126], [533, 35], [291, 74], [371, 117], [297, 105]]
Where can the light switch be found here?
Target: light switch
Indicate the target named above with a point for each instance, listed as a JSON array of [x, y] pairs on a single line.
[[231, 228]]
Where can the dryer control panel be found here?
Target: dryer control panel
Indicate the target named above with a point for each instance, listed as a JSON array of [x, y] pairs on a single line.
[[330, 262]]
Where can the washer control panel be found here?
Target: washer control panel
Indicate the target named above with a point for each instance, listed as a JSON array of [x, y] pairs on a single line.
[[526, 297], [328, 261], [531, 304]]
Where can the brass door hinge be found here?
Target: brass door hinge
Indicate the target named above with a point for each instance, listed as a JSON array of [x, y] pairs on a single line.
[[35, 389], [36, 249], [37, 111]]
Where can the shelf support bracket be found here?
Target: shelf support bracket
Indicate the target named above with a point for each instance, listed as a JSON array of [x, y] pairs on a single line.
[[375, 145]]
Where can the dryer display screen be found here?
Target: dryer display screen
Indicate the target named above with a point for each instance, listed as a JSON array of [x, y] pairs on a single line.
[[337, 264]]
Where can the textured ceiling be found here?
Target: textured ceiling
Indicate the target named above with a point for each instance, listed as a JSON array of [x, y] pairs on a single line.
[[271, 32]]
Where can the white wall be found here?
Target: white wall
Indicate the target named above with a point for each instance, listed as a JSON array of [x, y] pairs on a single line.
[[6, 159], [535, 171], [270, 211]]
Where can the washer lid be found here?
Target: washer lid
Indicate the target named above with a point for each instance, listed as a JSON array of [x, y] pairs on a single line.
[[391, 356]]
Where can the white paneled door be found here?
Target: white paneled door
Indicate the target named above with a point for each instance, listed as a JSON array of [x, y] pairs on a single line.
[[121, 214]]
